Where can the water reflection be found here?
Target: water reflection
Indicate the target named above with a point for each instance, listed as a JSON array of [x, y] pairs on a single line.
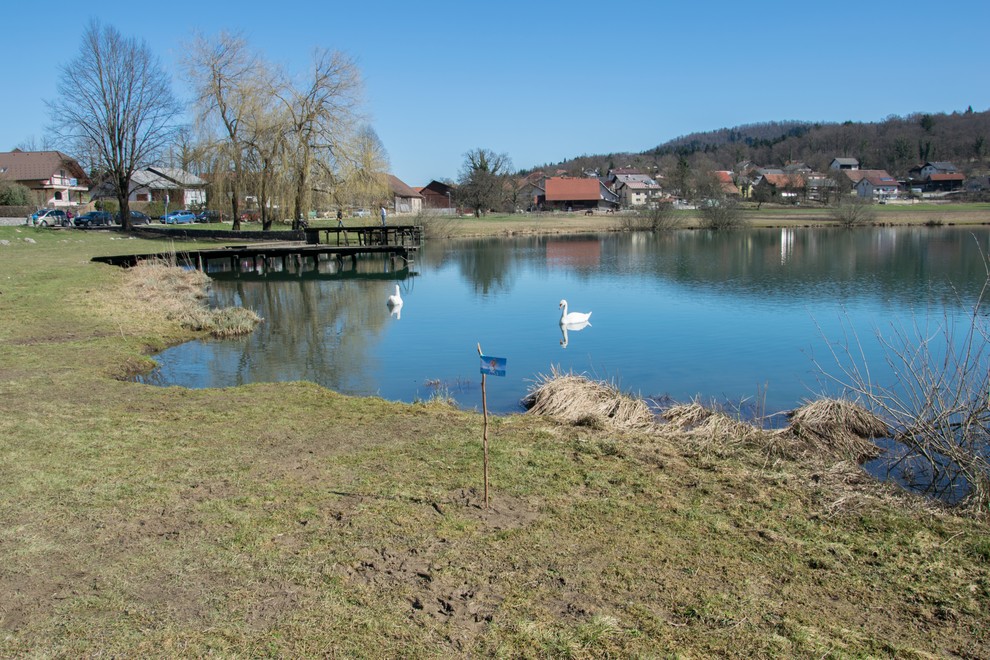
[[572, 327], [681, 313]]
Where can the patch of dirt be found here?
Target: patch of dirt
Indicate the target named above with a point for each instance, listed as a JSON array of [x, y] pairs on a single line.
[[503, 512]]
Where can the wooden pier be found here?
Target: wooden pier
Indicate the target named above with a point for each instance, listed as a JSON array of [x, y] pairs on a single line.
[[396, 244], [394, 235]]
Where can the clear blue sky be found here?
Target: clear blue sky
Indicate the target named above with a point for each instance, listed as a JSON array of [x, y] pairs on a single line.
[[546, 81]]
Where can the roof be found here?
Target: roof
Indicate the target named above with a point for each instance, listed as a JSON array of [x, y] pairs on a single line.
[[723, 176], [641, 185], [880, 181], [784, 180], [846, 161], [20, 165], [560, 189], [179, 176], [856, 175], [942, 165], [946, 176], [400, 189]]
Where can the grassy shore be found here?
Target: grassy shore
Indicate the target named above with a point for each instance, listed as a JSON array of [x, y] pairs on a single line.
[[286, 519]]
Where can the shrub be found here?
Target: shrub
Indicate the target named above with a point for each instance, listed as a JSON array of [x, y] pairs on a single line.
[[14, 194], [853, 212], [721, 214]]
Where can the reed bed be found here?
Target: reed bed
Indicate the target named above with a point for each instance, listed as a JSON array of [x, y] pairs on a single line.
[[578, 400], [829, 428], [180, 294]]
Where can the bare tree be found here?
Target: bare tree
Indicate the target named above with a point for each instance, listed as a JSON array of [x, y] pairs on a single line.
[[223, 72], [484, 180], [122, 106], [358, 174], [320, 117]]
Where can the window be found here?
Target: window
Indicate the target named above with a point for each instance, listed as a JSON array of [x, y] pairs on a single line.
[[58, 196]]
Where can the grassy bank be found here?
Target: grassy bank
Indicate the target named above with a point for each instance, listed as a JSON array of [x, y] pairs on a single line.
[[285, 519]]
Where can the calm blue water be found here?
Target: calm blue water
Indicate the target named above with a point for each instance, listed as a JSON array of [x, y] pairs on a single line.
[[734, 317]]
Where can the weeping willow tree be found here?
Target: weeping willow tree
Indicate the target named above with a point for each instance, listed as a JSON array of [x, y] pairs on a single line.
[[357, 175]]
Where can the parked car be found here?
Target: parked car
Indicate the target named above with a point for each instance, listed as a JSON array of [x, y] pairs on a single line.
[[251, 216], [182, 217], [137, 218], [94, 219], [50, 218], [210, 216]]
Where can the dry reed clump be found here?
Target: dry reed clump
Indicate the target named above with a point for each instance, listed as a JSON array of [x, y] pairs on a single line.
[[838, 429], [711, 429], [582, 401], [180, 294]]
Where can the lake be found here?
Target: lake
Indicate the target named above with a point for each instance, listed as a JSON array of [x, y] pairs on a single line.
[[734, 317]]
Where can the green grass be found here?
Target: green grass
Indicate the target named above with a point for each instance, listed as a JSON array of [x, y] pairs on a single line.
[[285, 519]]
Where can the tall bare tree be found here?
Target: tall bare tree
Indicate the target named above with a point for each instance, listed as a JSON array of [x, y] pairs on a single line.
[[224, 73], [122, 108], [320, 117]]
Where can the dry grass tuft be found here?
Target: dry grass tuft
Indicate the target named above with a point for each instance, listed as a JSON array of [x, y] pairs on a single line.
[[838, 429], [687, 415], [180, 295], [580, 400]]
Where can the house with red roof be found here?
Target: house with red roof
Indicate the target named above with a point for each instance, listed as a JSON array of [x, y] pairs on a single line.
[[567, 194], [56, 179]]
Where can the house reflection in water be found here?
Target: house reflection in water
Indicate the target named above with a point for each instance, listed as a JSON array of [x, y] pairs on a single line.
[[574, 253]]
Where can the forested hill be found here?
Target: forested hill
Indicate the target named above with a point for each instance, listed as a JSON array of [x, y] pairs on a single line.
[[895, 144]]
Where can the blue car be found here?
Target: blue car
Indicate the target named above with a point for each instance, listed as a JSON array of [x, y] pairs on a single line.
[[182, 217]]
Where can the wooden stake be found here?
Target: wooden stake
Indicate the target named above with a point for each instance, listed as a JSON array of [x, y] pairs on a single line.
[[484, 407]]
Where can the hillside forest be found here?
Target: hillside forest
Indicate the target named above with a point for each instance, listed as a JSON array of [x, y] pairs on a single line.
[[895, 144]]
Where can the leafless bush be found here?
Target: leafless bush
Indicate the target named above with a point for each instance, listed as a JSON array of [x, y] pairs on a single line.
[[661, 217], [437, 225], [937, 408], [720, 214], [853, 212]]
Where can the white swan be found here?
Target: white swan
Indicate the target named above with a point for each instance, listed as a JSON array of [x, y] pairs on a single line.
[[573, 317], [395, 299]]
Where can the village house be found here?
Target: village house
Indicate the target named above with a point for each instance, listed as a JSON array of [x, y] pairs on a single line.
[[567, 194], [936, 176], [170, 185], [634, 192], [437, 195], [405, 200], [844, 164], [877, 188], [55, 179]]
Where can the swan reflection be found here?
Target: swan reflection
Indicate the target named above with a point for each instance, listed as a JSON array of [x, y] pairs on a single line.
[[574, 327]]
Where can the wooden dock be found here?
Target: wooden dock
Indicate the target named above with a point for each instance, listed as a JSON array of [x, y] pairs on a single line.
[[394, 243], [393, 235]]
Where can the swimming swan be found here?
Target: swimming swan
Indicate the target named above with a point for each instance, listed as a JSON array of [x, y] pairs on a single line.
[[573, 317], [395, 299]]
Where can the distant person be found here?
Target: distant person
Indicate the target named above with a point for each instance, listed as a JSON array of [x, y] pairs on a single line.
[[384, 216], [340, 217]]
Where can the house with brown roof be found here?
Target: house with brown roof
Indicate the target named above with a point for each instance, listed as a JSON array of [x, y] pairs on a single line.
[[405, 200], [437, 195], [567, 194], [55, 178], [728, 185], [937, 176], [877, 188], [779, 187]]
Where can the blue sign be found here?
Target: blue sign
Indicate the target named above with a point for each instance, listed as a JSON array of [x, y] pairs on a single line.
[[493, 366]]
